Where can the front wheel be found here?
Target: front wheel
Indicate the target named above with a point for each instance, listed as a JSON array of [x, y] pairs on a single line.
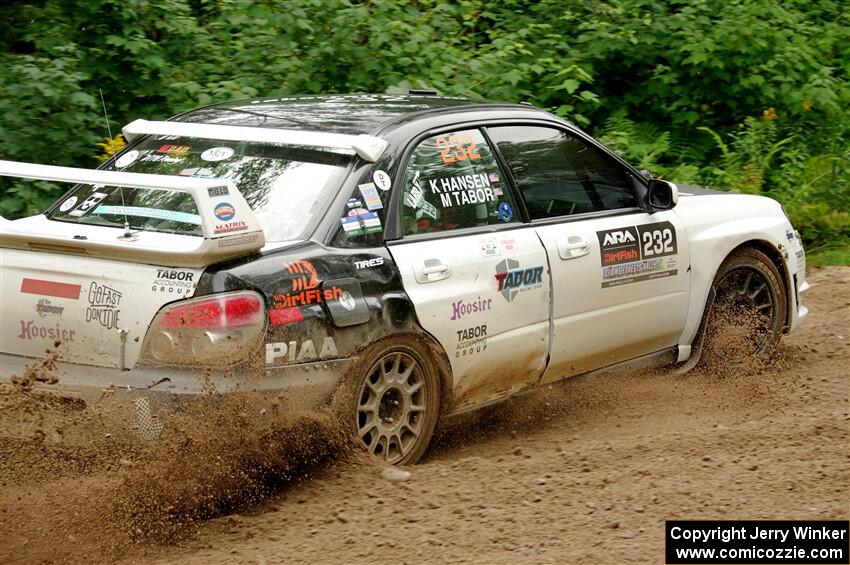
[[749, 311], [392, 399]]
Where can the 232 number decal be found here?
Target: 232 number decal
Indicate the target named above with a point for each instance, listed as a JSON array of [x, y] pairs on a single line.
[[658, 242], [458, 147]]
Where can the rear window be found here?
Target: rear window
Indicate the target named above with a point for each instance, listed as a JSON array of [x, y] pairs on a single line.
[[285, 186]]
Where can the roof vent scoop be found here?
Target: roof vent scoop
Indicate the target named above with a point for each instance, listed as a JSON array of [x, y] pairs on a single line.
[[369, 148], [422, 92]]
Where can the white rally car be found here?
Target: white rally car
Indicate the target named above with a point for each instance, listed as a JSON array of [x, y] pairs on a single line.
[[424, 255]]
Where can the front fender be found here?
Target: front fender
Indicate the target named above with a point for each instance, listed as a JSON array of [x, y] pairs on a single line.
[[716, 226]]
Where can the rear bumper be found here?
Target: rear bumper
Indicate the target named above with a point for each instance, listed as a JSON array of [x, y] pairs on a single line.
[[142, 395]]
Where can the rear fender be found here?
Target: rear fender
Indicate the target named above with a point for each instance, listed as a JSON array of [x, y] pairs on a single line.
[[325, 304]]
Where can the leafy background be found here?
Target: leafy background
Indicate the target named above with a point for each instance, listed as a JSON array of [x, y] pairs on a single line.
[[751, 96]]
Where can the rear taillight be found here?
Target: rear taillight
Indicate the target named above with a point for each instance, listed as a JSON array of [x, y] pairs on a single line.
[[214, 313], [206, 331]]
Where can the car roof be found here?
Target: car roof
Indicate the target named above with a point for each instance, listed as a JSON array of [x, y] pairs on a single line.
[[341, 113]]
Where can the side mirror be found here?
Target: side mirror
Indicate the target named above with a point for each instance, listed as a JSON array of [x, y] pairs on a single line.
[[661, 195]]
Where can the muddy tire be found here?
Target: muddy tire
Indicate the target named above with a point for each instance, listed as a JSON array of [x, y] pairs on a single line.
[[749, 311], [391, 399]]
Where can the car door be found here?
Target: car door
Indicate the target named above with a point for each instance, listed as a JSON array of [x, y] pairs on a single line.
[[620, 275], [477, 276]]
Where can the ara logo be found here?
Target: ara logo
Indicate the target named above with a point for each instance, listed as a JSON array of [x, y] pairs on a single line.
[[615, 237], [619, 246], [298, 352], [511, 278]]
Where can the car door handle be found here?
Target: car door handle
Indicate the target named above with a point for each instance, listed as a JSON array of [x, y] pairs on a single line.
[[572, 246], [435, 269], [431, 270]]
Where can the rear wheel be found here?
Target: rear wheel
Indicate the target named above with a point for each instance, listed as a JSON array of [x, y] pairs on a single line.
[[749, 310], [392, 399]]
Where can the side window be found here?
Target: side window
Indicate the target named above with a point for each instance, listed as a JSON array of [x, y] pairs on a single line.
[[453, 182], [559, 174]]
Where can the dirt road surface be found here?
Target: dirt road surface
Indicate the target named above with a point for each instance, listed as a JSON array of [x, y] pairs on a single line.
[[583, 472]]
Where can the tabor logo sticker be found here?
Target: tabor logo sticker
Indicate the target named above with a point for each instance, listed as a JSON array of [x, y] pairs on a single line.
[[46, 308], [127, 159], [217, 154], [224, 211], [511, 278], [68, 204], [382, 180]]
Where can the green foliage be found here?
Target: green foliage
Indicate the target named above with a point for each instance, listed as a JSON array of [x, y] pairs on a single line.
[[763, 157], [832, 255], [752, 95]]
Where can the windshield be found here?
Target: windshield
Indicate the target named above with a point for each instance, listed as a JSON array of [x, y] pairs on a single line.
[[285, 186]]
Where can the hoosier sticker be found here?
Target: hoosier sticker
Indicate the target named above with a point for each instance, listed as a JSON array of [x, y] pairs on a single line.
[[637, 253]]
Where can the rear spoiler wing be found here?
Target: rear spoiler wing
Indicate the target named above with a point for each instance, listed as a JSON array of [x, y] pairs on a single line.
[[367, 147], [236, 232]]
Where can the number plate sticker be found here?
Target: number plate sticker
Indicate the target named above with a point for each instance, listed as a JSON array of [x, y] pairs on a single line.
[[637, 253]]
